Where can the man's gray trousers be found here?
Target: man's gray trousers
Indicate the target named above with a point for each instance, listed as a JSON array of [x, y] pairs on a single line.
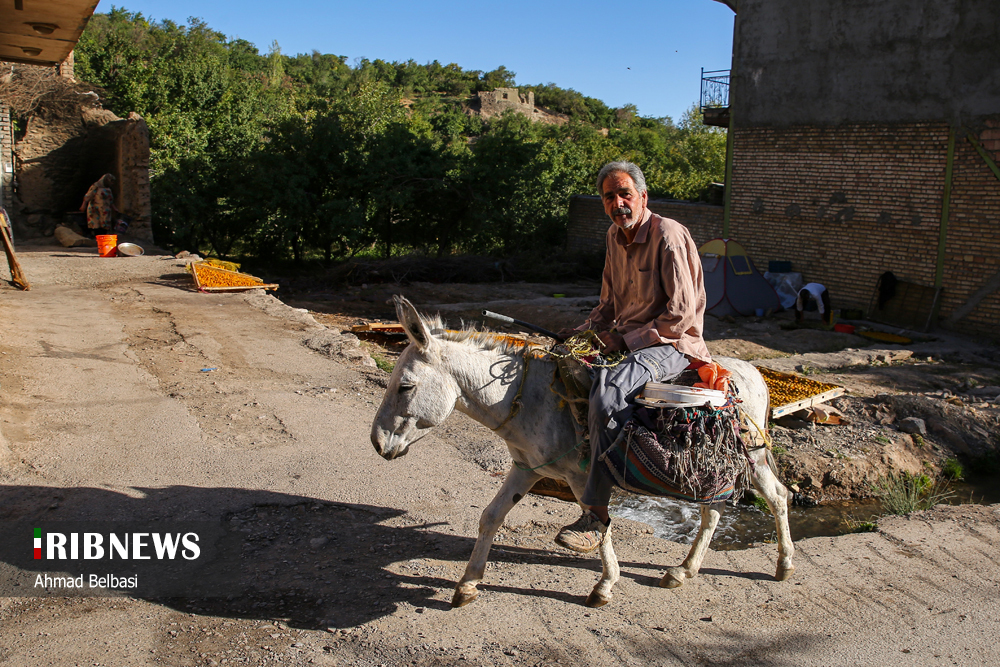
[[612, 404]]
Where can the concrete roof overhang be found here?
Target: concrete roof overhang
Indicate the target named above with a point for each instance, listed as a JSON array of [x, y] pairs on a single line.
[[729, 3], [42, 32]]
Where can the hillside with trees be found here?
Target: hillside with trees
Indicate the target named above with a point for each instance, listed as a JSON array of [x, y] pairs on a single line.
[[308, 157]]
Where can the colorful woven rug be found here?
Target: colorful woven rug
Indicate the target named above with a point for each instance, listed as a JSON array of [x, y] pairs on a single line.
[[695, 454]]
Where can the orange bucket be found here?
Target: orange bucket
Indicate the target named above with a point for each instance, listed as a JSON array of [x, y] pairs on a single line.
[[107, 245]]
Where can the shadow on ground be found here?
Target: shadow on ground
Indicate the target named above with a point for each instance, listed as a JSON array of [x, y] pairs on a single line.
[[314, 563]]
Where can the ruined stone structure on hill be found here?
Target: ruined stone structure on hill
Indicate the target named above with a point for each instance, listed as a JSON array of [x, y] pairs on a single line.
[[494, 103]]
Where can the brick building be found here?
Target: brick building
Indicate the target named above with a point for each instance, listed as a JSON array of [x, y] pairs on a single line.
[[864, 138]]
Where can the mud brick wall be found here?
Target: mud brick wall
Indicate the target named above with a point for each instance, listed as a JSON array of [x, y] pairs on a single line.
[[588, 224], [846, 203], [60, 156], [131, 137]]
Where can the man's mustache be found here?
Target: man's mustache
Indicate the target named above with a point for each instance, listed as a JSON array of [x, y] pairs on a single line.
[[622, 210]]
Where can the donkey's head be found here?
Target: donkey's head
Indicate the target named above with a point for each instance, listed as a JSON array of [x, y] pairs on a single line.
[[421, 392]]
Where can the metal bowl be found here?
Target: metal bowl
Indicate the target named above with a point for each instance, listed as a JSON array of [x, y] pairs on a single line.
[[129, 250]]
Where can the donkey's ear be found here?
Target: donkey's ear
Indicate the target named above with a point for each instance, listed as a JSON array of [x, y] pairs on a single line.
[[416, 329]]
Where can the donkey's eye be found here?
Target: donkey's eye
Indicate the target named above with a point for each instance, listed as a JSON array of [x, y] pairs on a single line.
[[403, 388]]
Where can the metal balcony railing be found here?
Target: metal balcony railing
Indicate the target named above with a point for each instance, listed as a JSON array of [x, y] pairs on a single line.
[[714, 89]]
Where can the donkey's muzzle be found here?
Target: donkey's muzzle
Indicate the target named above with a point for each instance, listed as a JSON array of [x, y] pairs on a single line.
[[388, 445]]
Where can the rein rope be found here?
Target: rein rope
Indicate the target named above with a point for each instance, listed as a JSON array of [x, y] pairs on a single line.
[[515, 407]]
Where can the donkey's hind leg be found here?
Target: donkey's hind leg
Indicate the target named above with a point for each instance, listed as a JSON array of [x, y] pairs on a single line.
[[518, 483], [675, 576], [765, 480]]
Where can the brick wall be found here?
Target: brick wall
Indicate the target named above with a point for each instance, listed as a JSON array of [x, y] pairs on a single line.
[[846, 203], [588, 224]]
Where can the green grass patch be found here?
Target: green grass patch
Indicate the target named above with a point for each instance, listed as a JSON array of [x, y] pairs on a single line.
[[903, 493], [861, 525], [383, 363], [953, 470]]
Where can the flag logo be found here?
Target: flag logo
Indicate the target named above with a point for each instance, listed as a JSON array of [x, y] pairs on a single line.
[[38, 543]]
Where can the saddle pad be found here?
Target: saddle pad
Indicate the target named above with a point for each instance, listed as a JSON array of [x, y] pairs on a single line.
[[692, 454]]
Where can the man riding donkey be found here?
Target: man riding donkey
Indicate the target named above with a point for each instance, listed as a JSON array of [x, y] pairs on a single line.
[[652, 308]]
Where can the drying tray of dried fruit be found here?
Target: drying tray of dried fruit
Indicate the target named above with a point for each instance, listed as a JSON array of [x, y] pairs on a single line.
[[790, 393], [208, 278]]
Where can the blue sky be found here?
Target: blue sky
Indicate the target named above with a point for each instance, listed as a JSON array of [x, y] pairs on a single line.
[[644, 52]]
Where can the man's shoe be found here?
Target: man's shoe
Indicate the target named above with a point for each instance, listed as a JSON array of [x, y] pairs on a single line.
[[584, 535]]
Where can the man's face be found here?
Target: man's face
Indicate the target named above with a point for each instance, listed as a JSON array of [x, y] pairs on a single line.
[[623, 204]]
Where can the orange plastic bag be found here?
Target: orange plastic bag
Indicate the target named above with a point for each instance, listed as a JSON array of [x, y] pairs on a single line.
[[713, 376]]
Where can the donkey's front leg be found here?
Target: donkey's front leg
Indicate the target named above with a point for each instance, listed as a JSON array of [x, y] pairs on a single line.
[[518, 483], [689, 568], [610, 573]]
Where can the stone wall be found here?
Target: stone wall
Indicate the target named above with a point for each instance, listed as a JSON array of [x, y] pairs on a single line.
[[846, 203], [60, 156], [6, 158], [588, 223]]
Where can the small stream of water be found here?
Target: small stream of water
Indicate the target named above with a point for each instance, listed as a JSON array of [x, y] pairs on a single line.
[[743, 525]]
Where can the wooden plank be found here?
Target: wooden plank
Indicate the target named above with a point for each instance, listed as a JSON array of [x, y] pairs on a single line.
[[197, 283], [823, 397], [377, 327], [239, 288], [16, 274]]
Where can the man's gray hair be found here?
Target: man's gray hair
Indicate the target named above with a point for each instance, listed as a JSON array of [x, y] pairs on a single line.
[[624, 167]]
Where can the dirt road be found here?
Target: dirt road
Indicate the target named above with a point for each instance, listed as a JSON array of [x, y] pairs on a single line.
[[125, 395]]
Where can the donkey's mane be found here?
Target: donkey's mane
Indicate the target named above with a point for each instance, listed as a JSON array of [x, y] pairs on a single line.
[[482, 339]]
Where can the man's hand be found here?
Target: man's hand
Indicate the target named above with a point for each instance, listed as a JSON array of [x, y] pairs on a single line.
[[612, 342]]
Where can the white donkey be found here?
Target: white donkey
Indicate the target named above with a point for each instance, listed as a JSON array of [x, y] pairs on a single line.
[[507, 387]]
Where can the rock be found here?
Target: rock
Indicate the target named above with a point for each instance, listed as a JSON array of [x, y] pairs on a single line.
[[70, 239], [802, 500], [913, 425], [793, 423], [951, 437], [317, 542], [259, 299], [336, 344]]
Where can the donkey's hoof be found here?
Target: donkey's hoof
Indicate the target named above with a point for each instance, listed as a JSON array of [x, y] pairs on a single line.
[[674, 578], [784, 573], [595, 600], [464, 596]]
